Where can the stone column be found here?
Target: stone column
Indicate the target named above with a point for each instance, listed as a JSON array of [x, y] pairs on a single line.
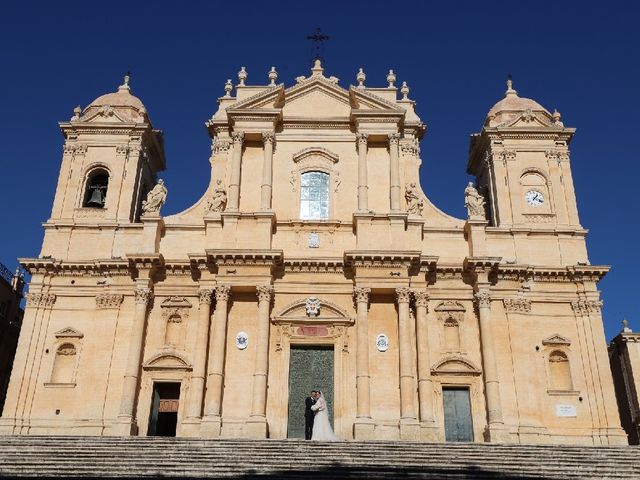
[[363, 185], [363, 428], [236, 166], [267, 171], [495, 423], [407, 407], [394, 161], [425, 386], [143, 295], [196, 390], [215, 369], [257, 426]]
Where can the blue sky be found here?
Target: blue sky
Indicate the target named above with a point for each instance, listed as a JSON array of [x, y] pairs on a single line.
[[578, 57]]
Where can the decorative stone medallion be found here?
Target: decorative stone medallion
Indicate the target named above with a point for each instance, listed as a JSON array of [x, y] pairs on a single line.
[[312, 307], [242, 340], [382, 342], [314, 240]]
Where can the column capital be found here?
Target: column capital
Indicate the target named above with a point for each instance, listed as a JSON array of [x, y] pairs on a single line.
[[223, 292], [403, 294], [362, 138], [264, 292], [206, 296], [238, 138], [143, 295], [361, 294], [482, 298], [268, 137], [394, 138], [421, 298]]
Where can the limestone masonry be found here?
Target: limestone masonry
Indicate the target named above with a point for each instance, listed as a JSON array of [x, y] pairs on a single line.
[[314, 260]]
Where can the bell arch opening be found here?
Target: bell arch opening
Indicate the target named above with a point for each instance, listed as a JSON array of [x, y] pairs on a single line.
[[95, 194]]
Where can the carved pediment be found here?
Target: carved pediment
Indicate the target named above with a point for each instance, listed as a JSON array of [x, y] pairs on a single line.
[[68, 332], [529, 119], [318, 98], [319, 153], [450, 309], [556, 340], [296, 312], [269, 98], [455, 366], [167, 361], [176, 302]]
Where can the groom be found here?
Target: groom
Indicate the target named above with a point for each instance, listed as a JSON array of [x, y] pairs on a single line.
[[309, 414]]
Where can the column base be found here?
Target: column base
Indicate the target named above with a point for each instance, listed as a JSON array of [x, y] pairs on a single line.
[[190, 427], [497, 434], [363, 429], [124, 427], [409, 429], [431, 433], [211, 427], [256, 427]]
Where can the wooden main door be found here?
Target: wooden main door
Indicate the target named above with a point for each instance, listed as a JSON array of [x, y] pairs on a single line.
[[458, 426], [310, 368]]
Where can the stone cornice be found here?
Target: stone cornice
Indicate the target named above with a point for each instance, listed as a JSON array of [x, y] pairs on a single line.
[[234, 257], [325, 265], [51, 266], [572, 273], [382, 258]]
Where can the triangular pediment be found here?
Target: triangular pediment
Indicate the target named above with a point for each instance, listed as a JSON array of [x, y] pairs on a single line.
[[529, 119], [270, 97], [556, 339], [361, 99], [68, 332], [318, 98]]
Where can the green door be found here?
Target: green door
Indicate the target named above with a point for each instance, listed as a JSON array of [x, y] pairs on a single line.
[[310, 368], [457, 415]]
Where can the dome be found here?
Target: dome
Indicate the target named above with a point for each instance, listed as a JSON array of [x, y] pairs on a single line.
[[128, 106], [511, 106]]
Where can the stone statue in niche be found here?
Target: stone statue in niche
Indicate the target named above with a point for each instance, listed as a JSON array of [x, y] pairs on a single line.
[[218, 201], [474, 202], [415, 204], [155, 199]]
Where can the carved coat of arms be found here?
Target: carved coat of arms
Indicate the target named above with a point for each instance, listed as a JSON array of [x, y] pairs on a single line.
[[312, 307]]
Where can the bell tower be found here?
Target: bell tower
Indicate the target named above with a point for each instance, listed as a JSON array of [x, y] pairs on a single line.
[[521, 161], [110, 160]]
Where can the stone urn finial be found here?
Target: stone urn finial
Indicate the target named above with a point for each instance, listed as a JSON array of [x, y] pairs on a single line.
[[228, 87], [273, 76], [404, 90], [242, 76], [391, 78], [361, 77]]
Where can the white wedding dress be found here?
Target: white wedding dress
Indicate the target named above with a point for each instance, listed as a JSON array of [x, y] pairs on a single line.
[[322, 430]]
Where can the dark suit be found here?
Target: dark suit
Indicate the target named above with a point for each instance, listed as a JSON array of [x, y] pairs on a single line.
[[308, 417]]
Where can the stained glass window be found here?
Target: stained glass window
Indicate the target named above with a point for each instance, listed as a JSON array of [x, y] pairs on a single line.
[[314, 196]]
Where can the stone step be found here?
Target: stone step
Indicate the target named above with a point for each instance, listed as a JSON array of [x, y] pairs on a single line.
[[149, 457]]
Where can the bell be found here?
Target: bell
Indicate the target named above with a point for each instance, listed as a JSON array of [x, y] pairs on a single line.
[[97, 199]]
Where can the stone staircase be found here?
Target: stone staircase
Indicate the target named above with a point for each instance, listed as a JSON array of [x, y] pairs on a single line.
[[167, 458]]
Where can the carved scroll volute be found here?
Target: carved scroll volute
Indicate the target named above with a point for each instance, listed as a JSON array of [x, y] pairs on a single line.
[[361, 294], [205, 296], [223, 293]]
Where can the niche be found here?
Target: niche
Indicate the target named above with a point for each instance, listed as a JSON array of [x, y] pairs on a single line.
[[95, 195], [64, 364], [559, 371]]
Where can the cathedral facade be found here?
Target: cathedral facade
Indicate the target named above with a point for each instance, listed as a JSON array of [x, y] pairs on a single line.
[[314, 261]]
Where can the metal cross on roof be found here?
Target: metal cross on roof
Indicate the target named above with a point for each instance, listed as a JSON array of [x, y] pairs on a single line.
[[317, 38]]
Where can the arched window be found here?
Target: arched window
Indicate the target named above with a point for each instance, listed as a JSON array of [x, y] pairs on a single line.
[[64, 364], [559, 371], [95, 194], [314, 196]]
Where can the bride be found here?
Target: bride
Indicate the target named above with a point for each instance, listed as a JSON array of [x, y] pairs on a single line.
[[322, 430]]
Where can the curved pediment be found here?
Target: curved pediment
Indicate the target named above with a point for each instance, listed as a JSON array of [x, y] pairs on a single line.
[[455, 366], [297, 312], [315, 152], [167, 361]]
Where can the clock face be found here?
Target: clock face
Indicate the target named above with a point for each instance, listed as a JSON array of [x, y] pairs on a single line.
[[534, 198]]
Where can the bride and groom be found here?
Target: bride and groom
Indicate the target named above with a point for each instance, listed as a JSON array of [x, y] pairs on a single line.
[[316, 416]]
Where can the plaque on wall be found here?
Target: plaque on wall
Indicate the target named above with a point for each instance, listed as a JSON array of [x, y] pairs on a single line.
[[314, 240], [566, 411], [242, 340], [382, 342]]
